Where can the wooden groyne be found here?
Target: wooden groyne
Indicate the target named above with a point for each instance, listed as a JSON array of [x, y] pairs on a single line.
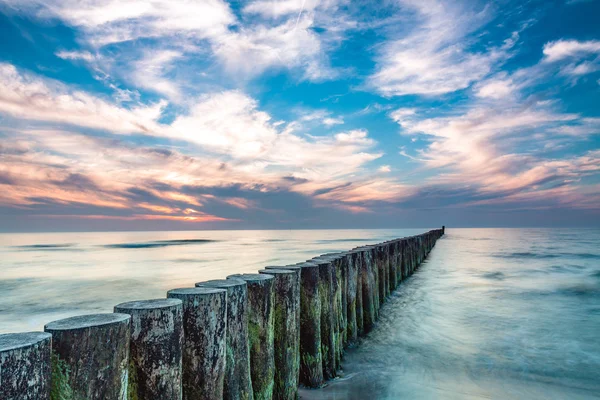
[[250, 336]]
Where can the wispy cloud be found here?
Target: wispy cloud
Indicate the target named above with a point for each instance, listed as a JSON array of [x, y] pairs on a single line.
[[433, 57]]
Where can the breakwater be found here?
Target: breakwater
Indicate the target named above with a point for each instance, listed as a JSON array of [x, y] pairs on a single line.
[[249, 336]]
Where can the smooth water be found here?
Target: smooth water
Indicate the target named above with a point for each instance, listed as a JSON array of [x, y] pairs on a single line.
[[44, 277], [492, 313]]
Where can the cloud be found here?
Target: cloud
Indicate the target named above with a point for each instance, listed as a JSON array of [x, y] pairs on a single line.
[[433, 57], [149, 72], [207, 32], [384, 169], [564, 49], [29, 96], [253, 50], [495, 88], [228, 141], [494, 149], [75, 55], [333, 121]]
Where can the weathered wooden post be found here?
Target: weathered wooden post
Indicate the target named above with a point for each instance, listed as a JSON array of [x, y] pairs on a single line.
[[286, 316], [155, 364], [90, 356], [338, 309], [357, 258], [391, 262], [25, 366], [368, 289], [260, 332], [328, 325], [380, 265], [311, 358], [237, 383], [345, 261], [352, 263], [204, 327]]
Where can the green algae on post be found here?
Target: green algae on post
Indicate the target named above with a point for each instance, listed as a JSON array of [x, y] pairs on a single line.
[[238, 383], [155, 365], [103, 341], [286, 315], [204, 327], [260, 332]]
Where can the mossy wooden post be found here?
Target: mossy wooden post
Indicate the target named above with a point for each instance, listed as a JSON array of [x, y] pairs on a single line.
[[357, 258], [237, 384], [298, 271], [382, 273], [25, 366], [398, 260], [155, 348], [338, 304], [204, 327], [91, 356], [286, 312], [311, 359], [345, 261], [328, 327], [368, 289], [260, 332], [351, 292], [391, 266]]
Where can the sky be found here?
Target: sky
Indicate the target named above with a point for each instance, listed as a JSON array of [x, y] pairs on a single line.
[[298, 114]]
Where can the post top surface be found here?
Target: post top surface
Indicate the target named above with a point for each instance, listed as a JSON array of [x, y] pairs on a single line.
[[148, 304], [13, 341], [252, 277], [288, 267], [87, 321], [308, 264], [222, 283], [195, 291], [276, 271]]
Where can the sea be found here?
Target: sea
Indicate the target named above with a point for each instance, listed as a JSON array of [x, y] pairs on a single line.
[[490, 314]]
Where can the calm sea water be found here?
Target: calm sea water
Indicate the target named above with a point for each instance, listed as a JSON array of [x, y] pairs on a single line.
[[492, 313]]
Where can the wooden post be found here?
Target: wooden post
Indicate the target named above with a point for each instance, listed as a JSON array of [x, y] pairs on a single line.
[[155, 365], [328, 325], [237, 384], [102, 340], [311, 358], [25, 366], [260, 332], [286, 316], [352, 297], [204, 327]]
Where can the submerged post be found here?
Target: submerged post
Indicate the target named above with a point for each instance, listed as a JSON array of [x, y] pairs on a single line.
[[204, 327], [91, 356], [25, 366], [260, 332], [286, 313], [238, 384], [155, 365]]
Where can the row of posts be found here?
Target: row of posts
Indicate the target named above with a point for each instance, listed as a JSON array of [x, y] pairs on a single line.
[[250, 336]]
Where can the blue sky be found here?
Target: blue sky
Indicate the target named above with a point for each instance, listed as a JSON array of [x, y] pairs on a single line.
[[161, 114]]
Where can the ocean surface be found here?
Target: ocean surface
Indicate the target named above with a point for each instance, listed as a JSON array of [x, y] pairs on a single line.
[[491, 314]]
